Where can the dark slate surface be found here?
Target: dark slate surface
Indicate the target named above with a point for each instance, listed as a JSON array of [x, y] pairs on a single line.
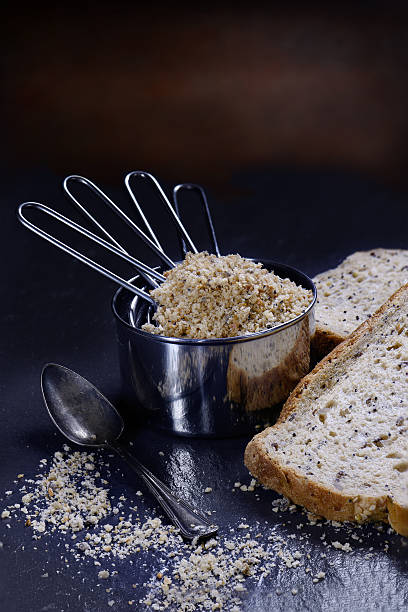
[[53, 309]]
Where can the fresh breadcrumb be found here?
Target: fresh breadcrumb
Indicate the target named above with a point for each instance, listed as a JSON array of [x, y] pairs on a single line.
[[207, 296]]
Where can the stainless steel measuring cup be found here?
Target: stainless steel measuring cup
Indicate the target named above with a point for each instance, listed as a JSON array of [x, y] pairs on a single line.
[[215, 387], [212, 387]]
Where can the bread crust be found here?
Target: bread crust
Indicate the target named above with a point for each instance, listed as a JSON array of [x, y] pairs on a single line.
[[398, 517], [314, 496]]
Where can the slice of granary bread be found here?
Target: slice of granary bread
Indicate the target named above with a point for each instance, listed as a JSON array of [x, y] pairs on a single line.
[[352, 292], [340, 446]]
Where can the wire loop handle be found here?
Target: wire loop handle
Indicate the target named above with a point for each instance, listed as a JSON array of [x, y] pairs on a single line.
[[153, 245], [175, 218], [145, 270], [111, 244], [204, 203]]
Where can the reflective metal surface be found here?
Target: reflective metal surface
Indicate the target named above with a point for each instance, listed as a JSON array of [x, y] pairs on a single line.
[[218, 387]]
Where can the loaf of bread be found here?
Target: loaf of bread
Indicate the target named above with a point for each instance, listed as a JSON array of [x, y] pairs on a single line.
[[340, 446], [352, 292]]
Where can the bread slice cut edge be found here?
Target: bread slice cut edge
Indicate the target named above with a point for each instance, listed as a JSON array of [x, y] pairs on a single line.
[[314, 496]]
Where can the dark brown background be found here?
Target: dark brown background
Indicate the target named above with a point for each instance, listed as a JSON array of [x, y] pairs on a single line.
[[196, 94]]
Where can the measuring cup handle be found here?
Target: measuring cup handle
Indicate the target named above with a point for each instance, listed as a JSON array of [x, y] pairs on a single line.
[[142, 268], [204, 203], [146, 176]]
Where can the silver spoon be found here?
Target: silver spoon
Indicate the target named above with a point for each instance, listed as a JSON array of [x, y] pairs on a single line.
[[87, 418]]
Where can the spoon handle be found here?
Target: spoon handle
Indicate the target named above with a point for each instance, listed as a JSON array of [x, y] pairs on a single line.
[[191, 523]]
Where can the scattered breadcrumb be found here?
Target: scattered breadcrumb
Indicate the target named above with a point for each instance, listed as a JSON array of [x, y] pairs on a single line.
[[103, 574], [97, 528], [207, 296], [346, 547]]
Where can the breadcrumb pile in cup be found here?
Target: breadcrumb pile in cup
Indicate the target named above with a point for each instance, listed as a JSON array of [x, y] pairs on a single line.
[[206, 296]]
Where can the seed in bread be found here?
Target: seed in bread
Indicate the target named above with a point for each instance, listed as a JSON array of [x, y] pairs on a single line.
[[352, 292], [340, 447]]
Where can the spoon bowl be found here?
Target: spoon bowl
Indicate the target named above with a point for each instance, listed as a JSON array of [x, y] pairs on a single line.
[[78, 409]]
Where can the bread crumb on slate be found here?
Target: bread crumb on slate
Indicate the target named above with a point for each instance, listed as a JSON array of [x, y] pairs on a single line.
[[212, 575], [346, 547], [103, 574], [207, 296]]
